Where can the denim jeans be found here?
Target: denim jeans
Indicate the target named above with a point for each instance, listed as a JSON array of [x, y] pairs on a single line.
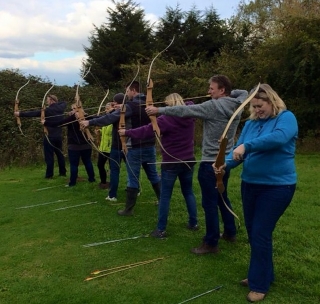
[[103, 158], [49, 149], [263, 205], [211, 201], [168, 178], [74, 159], [138, 157], [116, 156]]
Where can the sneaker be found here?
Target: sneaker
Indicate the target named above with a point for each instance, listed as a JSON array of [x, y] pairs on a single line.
[[112, 199], [193, 228], [244, 282], [160, 234]]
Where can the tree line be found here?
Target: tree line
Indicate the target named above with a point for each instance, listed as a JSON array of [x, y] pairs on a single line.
[[272, 41]]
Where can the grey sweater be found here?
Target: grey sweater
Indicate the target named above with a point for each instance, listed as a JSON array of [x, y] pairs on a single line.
[[215, 114]]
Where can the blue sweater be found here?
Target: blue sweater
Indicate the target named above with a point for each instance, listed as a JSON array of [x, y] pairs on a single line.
[[269, 150]]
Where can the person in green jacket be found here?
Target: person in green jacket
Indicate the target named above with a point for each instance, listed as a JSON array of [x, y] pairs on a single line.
[[104, 155]]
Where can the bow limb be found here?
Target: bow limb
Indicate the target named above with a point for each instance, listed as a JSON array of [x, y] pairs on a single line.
[[122, 126], [220, 160], [97, 129], [149, 102], [16, 106], [149, 98], [122, 120], [43, 108]]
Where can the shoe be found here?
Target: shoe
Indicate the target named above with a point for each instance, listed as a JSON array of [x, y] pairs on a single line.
[[112, 199], [160, 234], [125, 212], [48, 177], [244, 282], [193, 228], [64, 175], [228, 238], [104, 186], [204, 249], [255, 296]]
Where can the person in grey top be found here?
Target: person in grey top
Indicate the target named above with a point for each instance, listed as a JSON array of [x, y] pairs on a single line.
[[215, 114]]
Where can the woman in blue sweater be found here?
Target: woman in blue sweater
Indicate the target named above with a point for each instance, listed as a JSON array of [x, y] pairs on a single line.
[[177, 161], [266, 148]]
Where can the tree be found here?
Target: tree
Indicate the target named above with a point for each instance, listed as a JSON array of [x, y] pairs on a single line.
[[199, 35], [125, 38]]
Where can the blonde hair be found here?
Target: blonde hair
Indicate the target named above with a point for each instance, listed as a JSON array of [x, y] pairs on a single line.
[[53, 97], [174, 99], [267, 94]]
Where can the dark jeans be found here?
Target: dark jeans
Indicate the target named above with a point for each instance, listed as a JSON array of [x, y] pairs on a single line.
[[211, 201], [51, 147], [263, 205], [138, 157], [74, 159], [168, 179], [116, 156], [103, 157]]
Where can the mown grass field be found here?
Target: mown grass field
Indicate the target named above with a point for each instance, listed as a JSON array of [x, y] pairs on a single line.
[[43, 259]]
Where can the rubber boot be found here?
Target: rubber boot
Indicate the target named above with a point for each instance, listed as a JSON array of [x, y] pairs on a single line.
[[156, 187], [132, 194]]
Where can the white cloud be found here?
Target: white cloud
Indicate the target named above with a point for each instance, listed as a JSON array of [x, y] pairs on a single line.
[[42, 37]]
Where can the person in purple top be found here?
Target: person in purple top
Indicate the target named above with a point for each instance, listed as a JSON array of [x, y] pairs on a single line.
[[178, 161]]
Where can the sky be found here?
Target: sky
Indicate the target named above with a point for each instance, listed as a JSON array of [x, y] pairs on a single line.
[[45, 38]]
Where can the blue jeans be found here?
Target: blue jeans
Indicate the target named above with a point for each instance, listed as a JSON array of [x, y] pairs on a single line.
[[74, 159], [138, 157], [211, 201], [116, 156], [168, 178], [263, 205], [49, 149]]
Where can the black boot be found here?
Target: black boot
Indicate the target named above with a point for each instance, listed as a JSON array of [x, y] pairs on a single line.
[[132, 194], [156, 187]]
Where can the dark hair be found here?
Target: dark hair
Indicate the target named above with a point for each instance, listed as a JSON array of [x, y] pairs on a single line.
[[134, 85], [223, 83]]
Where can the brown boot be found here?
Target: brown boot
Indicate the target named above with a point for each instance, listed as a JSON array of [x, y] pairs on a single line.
[[205, 248], [255, 296], [132, 194]]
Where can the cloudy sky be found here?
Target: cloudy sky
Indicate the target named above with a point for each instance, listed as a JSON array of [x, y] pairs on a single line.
[[45, 38]]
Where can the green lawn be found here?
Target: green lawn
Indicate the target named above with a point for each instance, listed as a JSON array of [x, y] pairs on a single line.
[[43, 259]]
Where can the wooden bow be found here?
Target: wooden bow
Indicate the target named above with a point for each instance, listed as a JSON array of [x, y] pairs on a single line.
[[97, 129], [16, 107], [149, 98], [43, 113], [122, 120], [220, 160]]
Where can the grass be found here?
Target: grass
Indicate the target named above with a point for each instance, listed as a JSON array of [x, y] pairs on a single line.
[[43, 259]]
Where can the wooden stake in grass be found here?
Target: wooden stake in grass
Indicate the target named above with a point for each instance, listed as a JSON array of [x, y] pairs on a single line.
[[200, 295], [119, 268]]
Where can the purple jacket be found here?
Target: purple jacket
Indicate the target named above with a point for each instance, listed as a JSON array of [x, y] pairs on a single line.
[[177, 137]]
